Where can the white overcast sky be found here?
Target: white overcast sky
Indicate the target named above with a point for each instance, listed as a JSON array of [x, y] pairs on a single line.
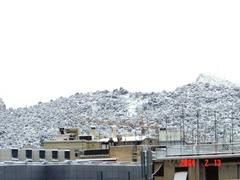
[[56, 48]]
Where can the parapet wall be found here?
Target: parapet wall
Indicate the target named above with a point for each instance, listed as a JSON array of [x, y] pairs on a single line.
[[70, 172]]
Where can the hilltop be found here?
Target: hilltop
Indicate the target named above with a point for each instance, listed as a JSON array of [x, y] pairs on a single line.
[[215, 100]]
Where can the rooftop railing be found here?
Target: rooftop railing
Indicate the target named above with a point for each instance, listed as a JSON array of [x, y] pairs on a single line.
[[197, 149]]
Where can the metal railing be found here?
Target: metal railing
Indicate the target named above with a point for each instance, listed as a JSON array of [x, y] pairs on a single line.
[[198, 149]]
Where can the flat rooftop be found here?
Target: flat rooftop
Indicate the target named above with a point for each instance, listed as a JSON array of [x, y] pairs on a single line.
[[197, 151], [75, 162]]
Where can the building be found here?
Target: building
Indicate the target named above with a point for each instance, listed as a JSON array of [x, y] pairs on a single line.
[[127, 148], [77, 170], [70, 138], [197, 162], [33, 155], [76, 147], [90, 146], [171, 136], [68, 134]]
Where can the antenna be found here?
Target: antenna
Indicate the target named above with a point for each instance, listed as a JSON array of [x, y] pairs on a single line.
[[192, 132], [141, 125], [198, 114], [147, 126], [183, 125], [224, 135], [232, 117], [215, 126], [166, 129]]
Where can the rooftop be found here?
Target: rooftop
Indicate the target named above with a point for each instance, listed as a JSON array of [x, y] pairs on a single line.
[[198, 150], [125, 139]]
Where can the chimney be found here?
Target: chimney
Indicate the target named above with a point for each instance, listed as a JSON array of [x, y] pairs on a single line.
[[119, 138], [113, 131], [93, 132], [163, 134], [61, 130]]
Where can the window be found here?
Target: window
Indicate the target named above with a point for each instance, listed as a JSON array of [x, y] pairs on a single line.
[[67, 154], [14, 153], [54, 154], [29, 154], [42, 154]]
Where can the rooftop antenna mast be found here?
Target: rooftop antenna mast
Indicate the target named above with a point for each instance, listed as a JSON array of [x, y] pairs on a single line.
[[205, 127], [198, 115], [142, 126], [166, 121], [232, 117], [135, 133], [215, 126], [192, 134], [183, 125], [231, 138], [147, 126]]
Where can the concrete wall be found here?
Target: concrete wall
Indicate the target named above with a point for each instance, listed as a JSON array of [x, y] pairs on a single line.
[[124, 153], [150, 141], [156, 167], [22, 172], [193, 172], [228, 171], [72, 146], [169, 170], [69, 172], [6, 155]]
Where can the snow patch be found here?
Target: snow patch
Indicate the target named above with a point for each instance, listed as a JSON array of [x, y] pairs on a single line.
[[213, 80]]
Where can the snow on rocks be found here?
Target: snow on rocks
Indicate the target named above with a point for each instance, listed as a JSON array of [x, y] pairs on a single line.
[[2, 105], [216, 103]]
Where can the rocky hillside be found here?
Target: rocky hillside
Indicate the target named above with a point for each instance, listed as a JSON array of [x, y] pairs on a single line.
[[213, 103], [2, 105]]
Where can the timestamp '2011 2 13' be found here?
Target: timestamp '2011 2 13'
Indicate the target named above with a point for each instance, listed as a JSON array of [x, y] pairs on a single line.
[[192, 162]]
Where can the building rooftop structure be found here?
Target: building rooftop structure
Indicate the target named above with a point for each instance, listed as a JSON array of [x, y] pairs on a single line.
[[197, 150], [74, 170], [68, 134], [124, 139], [197, 161]]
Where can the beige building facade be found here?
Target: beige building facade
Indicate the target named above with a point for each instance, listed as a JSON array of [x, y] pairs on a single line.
[[75, 146], [205, 168]]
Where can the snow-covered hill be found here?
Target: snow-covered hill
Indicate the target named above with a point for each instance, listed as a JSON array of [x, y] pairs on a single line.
[[2, 105], [214, 100]]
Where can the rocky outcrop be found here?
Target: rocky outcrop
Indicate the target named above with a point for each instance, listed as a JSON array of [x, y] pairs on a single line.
[[208, 101], [2, 105]]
